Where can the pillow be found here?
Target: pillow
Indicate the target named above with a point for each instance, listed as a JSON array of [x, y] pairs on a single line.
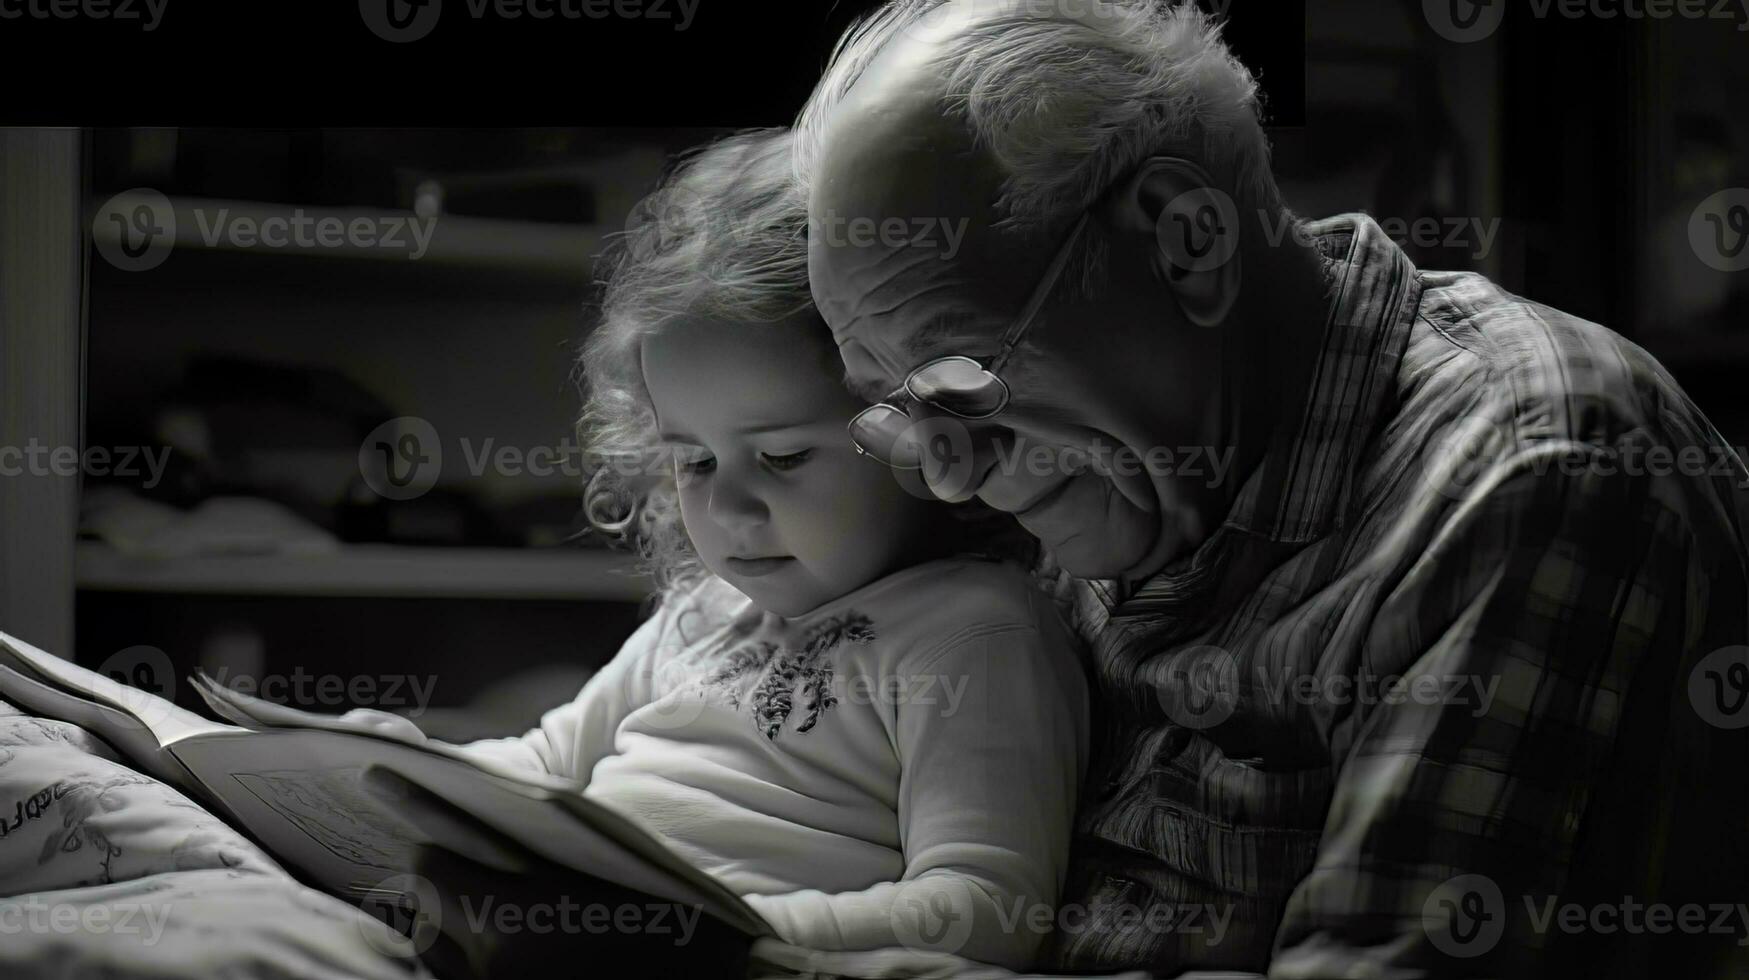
[[72, 815], [108, 872]]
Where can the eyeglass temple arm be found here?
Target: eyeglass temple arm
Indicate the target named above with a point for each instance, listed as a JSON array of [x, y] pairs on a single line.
[[1040, 294]]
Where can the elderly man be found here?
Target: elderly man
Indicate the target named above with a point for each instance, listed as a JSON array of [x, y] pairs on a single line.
[[1409, 599]]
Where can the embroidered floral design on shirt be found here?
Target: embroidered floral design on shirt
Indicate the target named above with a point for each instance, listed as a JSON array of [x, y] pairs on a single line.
[[792, 677]]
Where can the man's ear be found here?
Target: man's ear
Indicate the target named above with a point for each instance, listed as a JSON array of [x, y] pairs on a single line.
[[1193, 228]]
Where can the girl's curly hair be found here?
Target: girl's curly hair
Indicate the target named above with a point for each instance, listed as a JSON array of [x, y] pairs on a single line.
[[724, 236]]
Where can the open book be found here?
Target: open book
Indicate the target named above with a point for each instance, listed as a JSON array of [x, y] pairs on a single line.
[[293, 781]]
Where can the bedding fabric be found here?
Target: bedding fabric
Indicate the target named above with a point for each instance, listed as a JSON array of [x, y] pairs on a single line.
[[108, 872]]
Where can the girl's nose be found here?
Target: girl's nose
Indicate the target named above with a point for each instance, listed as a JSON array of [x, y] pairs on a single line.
[[736, 508]]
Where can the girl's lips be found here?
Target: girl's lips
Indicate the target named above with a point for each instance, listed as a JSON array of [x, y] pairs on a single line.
[[756, 567]]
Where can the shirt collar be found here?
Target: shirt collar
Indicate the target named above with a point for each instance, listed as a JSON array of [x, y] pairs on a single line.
[[1303, 483]]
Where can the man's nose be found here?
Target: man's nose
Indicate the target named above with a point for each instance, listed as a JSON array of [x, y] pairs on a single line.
[[734, 507]]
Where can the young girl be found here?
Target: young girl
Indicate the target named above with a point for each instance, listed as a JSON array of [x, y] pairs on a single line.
[[838, 709]]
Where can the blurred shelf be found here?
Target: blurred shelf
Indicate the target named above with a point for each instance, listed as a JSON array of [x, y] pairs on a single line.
[[455, 240], [373, 571]]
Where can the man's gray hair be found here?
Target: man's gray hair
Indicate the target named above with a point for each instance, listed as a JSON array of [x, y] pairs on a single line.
[[1069, 96]]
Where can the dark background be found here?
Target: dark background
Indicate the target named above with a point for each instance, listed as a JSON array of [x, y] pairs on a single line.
[[1584, 145]]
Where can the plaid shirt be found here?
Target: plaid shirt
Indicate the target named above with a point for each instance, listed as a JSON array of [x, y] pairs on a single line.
[[1462, 647]]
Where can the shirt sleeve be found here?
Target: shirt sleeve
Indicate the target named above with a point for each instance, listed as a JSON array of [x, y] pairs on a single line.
[[987, 791], [573, 737], [1543, 604]]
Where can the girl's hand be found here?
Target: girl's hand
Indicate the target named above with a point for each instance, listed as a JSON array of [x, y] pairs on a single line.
[[384, 723]]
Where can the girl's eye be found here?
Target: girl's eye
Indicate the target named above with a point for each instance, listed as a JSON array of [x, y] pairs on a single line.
[[694, 462], [786, 461]]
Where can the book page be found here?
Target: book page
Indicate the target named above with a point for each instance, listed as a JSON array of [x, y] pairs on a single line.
[[300, 792], [167, 722], [119, 729]]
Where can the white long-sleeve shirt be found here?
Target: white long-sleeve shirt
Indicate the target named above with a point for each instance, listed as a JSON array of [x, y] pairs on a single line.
[[896, 768]]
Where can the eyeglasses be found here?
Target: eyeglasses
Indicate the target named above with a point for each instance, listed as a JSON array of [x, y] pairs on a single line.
[[964, 387]]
